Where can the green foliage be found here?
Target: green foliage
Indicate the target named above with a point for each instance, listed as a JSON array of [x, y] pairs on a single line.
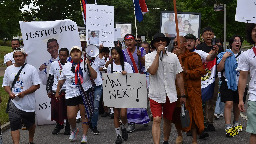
[[66, 9], [3, 51], [3, 116]]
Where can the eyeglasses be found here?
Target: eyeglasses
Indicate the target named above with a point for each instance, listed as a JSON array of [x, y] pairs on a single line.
[[175, 43], [237, 41], [160, 39]]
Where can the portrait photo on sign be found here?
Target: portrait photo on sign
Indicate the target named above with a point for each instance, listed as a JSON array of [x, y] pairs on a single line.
[[93, 38], [188, 23], [126, 28]]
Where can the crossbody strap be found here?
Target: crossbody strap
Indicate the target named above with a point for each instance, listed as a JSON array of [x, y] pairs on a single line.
[[17, 76]]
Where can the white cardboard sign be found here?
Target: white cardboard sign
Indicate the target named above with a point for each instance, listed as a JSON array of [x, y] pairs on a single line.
[[124, 91]]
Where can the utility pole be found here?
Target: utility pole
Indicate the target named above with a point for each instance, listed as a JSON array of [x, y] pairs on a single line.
[[225, 26]]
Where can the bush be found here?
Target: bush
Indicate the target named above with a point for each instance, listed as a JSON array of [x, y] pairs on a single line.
[[5, 43], [8, 43], [1, 42]]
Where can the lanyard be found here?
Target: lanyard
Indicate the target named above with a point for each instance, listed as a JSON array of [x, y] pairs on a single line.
[[60, 67], [133, 61], [254, 50]]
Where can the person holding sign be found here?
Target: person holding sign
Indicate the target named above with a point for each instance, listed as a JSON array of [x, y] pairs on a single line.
[[76, 75], [20, 81], [58, 107], [119, 66], [246, 66], [164, 69], [134, 55]]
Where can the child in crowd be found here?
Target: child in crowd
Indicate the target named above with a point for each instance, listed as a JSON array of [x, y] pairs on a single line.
[[119, 66]]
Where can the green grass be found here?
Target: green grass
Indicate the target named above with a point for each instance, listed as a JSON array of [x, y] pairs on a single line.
[[3, 51], [3, 116]]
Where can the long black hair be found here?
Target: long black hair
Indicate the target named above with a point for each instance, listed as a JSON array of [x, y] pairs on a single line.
[[231, 40], [249, 27], [121, 54]]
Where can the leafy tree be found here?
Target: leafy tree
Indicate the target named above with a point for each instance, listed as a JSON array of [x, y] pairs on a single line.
[[124, 13]]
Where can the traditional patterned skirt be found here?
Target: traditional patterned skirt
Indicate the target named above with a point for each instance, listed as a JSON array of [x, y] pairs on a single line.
[[58, 109], [137, 115]]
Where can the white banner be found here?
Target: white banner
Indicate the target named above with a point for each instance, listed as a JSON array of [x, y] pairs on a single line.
[[124, 91], [35, 36], [100, 25], [246, 11]]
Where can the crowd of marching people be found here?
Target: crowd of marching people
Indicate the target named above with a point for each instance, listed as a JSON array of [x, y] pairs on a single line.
[[174, 82]]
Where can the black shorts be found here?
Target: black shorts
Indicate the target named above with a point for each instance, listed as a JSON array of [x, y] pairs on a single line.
[[228, 94], [18, 117], [74, 101]]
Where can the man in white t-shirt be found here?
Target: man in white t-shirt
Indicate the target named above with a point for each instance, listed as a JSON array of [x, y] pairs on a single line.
[[22, 95], [8, 58], [247, 65], [164, 69]]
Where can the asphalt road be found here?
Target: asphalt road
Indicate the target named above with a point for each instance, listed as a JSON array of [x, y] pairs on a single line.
[[142, 135]]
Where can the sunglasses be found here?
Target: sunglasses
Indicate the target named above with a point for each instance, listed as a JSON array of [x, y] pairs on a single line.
[[160, 39]]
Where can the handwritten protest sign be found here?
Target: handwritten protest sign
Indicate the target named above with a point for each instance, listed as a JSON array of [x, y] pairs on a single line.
[[100, 18], [35, 36], [245, 11], [124, 91]]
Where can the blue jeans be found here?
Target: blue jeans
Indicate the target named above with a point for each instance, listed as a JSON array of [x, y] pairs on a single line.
[[219, 108], [97, 96]]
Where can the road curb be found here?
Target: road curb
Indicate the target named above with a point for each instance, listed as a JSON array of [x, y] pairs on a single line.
[[5, 126]]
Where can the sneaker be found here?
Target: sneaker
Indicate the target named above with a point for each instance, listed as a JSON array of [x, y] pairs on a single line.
[[67, 130], [210, 127], [84, 140], [73, 135], [179, 140], [105, 114], [131, 127], [239, 127], [57, 129], [203, 135], [95, 131], [221, 115], [124, 134], [111, 115], [229, 132], [78, 120], [119, 139], [216, 116]]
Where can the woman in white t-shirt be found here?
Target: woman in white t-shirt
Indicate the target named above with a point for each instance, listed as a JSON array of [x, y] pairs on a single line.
[[119, 66], [76, 76]]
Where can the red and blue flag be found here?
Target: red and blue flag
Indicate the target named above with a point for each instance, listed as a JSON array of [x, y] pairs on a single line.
[[140, 9]]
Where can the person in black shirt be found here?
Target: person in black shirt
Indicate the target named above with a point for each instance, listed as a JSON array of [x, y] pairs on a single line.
[[207, 46]]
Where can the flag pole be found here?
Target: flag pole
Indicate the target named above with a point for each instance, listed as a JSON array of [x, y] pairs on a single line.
[[135, 22], [176, 21]]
